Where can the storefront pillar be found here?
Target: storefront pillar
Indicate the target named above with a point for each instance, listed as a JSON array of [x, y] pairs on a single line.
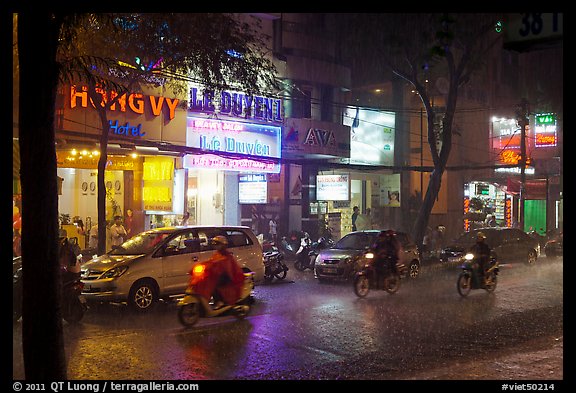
[[309, 221]]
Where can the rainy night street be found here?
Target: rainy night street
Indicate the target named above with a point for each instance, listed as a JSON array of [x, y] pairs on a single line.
[[300, 329]]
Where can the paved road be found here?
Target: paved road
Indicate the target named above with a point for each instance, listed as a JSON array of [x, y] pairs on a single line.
[[302, 330]]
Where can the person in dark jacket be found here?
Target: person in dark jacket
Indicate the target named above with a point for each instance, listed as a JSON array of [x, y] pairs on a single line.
[[481, 252], [387, 250]]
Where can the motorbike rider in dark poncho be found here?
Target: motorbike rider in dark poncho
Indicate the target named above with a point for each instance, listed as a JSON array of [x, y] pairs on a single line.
[[387, 250], [481, 251]]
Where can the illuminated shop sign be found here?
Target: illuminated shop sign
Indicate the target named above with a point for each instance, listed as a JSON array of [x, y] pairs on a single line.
[[252, 188], [158, 177], [236, 104], [127, 129], [545, 130], [333, 187], [371, 136], [210, 161], [505, 134], [466, 211], [135, 102], [234, 137]]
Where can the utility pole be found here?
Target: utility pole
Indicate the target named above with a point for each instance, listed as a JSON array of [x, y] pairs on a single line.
[[522, 116]]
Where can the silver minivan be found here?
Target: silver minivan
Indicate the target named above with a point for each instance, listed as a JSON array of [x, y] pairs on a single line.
[[155, 264]]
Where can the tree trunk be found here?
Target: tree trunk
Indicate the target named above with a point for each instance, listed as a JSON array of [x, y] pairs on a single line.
[[42, 339]]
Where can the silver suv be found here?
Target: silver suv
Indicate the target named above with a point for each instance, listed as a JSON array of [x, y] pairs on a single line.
[[155, 264]]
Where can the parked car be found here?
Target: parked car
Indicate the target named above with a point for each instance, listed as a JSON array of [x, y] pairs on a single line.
[[155, 264], [341, 260], [509, 245], [554, 246]]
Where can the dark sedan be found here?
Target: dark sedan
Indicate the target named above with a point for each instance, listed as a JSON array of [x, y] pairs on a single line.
[[554, 247], [509, 245], [341, 260]]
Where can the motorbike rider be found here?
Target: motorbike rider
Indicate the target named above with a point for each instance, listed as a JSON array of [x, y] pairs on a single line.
[[481, 251], [304, 242], [224, 277], [387, 250]]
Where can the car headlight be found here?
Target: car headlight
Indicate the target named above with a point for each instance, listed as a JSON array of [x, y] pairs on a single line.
[[115, 272]]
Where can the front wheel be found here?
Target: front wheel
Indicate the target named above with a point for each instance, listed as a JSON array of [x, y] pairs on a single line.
[[464, 284], [189, 314], [142, 296], [241, 311], [392, 283], [491, 281], [361, 285]]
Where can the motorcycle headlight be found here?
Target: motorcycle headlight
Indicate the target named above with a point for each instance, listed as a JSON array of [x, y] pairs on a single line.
[[469, 256], [369, 255], [115, 272]]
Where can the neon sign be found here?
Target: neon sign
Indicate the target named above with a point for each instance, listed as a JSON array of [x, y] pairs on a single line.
[[545, 130], [234, 137], [135, 102], [236, 104], [466, 210], [126, 129]]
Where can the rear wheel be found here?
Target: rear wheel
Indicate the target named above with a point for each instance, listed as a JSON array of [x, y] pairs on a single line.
[[299, 266], [75, 311], [189, 314], [361, 285], [414, 269], [464, 284], [392, 283], [281, 275]]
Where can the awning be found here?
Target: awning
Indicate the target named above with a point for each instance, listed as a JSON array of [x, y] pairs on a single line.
[[534, 188]]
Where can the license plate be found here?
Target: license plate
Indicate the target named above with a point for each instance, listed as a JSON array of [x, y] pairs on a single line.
[[82, 299], [329, 270], [86, 287], [454, 259]]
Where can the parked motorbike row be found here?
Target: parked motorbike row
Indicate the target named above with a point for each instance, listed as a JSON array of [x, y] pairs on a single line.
[[72, 302]]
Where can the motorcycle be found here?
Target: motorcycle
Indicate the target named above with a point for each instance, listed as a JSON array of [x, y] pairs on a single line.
[[469, 278], [193, 306], [17, 288], [289, 245], [314, 250], [274, 265], [72, 303], [367, 277], [305, 256]]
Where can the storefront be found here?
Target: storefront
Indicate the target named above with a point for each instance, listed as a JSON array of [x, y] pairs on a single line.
[[486, 204], [140, 176]]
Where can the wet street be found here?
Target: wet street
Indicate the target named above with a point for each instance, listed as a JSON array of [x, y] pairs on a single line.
[[300, 329]]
